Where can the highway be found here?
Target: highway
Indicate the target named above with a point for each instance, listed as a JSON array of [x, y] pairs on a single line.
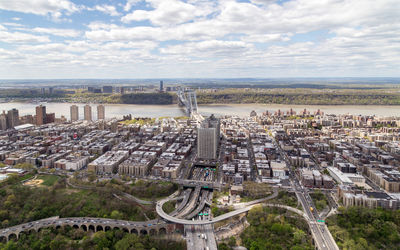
[[322, 237], [186, 195], [200, 206], [168, 217], [200, 237], [191, 203], [95, 224]]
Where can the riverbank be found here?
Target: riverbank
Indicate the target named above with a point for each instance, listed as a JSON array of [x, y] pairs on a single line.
[[242, 110]]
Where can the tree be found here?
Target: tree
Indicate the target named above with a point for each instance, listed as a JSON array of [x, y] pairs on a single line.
[[232, 241], [91, 176], [116, 214], [25, 166], [223, 246], [100, 238]]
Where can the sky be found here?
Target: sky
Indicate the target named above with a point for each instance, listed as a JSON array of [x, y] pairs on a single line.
[[67, 39]]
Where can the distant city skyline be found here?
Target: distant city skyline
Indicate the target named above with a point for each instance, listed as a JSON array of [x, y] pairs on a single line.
[[137, 39]]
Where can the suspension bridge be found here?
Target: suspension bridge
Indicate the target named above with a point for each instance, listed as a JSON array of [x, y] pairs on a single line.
[[188, 100]]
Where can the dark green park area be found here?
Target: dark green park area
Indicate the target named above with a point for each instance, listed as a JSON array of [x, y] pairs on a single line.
[[363, 228], [272, 228], [20, 204]]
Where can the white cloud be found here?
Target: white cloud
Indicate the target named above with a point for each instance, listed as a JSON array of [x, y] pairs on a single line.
[[57, 32], [218, 39], [209, 48], [13, 24], [40, 7], [18, 37], [107, 9], [169, 12], [266, 38], [130, 3]]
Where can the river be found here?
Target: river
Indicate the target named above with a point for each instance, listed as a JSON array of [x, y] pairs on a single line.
[[118, 110]]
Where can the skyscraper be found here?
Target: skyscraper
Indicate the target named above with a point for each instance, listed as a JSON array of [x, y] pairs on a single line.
[[3, 121], [74, 113], [208, 138], [100, 112], [50, 118], [87, 112], [161, 86], [40, 115], [12, 118]]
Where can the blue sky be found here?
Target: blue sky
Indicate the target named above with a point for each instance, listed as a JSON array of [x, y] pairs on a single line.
[[198, 38]]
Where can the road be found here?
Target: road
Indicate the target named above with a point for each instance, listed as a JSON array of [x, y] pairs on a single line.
[[195, 183], [168, 217], [79, 221], [322, 237]]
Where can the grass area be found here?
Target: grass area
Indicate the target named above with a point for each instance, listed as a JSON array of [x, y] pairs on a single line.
[[217, 211], [26, 176], [169, 206], [319, 200], [152, 189], [19, 204], [275, 229], [253, 191], [13, 179], [364, 228], [286, 198], [143, 189], [48, 180]]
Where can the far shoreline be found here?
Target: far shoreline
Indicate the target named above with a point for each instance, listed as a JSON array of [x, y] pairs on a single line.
[[199, 104]]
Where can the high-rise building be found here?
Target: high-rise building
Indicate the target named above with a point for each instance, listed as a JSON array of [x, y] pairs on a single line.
[[51, 90], [87, 112], [26, 119], [122, 90], [101, 112], [12, 118], [161, 86], [107, 89], [74, 110], [40, 115], [50, 118], [3, 121], [208, 138]]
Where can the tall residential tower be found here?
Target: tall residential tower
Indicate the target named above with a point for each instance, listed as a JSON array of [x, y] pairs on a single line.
[[12, 118], [208, 138], [87, 112], [74, 113], [101, 114], [40, 115]]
